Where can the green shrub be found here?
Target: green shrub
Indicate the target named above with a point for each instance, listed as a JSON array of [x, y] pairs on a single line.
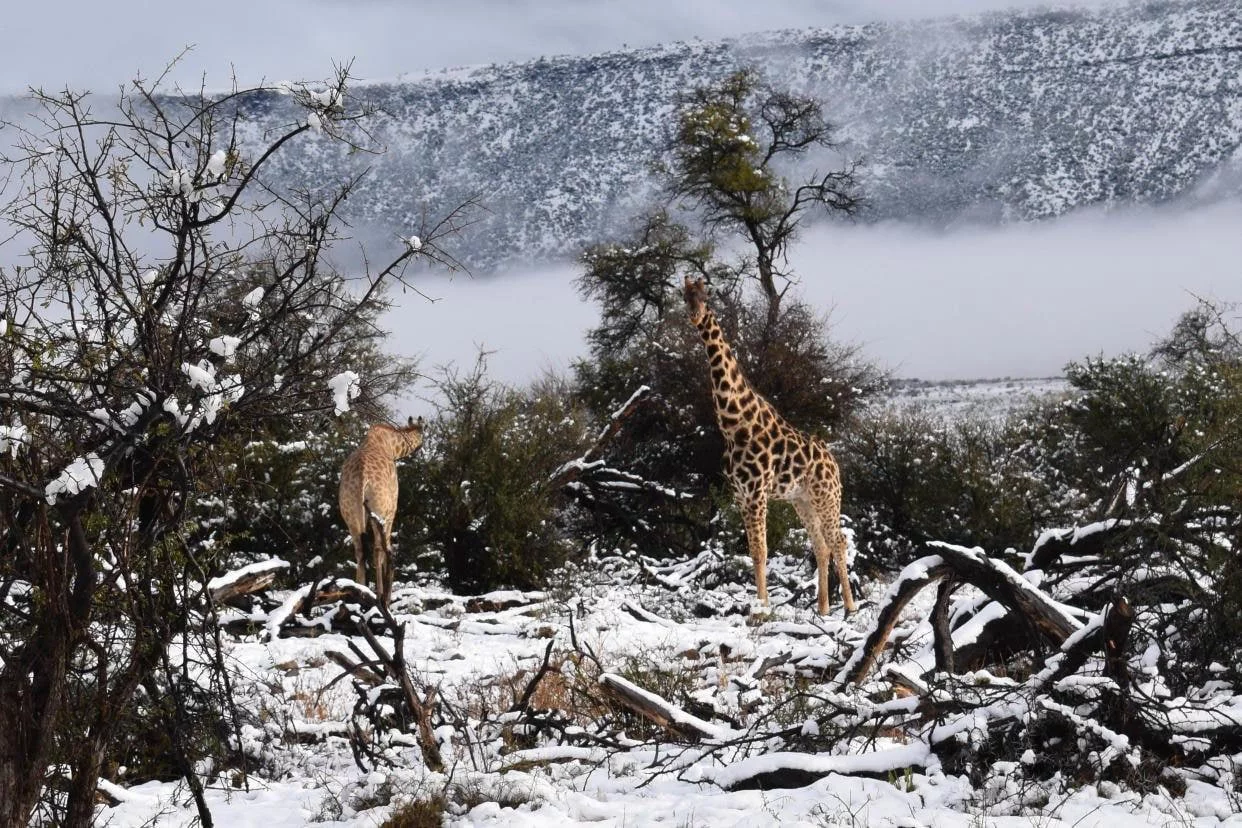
[[478, 491], [910, 476]]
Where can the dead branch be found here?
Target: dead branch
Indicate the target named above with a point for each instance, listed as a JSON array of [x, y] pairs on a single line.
[[393, 664], [1041, 614], [523, 704], [245, 581], [572, 470], [659, 710], [908, 584]]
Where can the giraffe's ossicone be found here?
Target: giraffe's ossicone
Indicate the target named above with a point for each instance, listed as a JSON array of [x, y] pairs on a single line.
[[369, 487], [766, 457]]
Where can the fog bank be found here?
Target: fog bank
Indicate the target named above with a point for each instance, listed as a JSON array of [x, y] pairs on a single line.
[[1015, 300]]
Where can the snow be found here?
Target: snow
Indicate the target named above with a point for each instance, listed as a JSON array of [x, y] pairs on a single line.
[[202, 376], [181, 181], [83, 473], [216, 165], [251, 302], [414, 243], [224, 346], [574, 782], [672, 713], [345, 386], [13, 439]]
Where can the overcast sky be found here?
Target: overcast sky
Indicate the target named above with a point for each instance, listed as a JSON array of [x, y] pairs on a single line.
[[98, 44]]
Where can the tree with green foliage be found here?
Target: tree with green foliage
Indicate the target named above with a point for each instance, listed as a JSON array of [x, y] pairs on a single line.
[[479, 495], [732, 150]]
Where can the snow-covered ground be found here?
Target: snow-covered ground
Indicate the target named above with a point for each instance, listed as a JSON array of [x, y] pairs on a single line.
[[679, 629], [992, 398]]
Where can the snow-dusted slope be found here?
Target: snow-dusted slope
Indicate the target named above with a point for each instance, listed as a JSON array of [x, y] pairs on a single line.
[[1016, 115]]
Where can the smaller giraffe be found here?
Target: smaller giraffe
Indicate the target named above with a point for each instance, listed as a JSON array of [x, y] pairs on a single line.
[[766, 457], [368, 496]]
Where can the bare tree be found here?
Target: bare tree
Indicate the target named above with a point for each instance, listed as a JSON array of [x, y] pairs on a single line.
[[170, 299]]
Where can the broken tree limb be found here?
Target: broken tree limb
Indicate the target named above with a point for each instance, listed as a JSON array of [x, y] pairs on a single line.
[[283, 621], [909, 583], [1117, 626], [659, 710], [393, 664], [1080, 541], [1002, 583], [570, 471], [996, 579], [249, 579], [942, 636]]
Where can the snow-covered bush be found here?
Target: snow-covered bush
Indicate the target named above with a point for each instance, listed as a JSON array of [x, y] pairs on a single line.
[[911, 476], [169, 310]]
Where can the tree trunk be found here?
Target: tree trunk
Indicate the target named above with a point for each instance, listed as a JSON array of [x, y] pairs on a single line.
[[31, 695], [32, 681], [767, 280]]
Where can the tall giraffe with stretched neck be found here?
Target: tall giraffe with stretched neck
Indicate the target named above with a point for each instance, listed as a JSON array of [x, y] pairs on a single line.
[[368, 496], [766, 457]]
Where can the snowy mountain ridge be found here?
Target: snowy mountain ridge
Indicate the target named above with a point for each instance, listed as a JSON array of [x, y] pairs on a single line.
[[998, 117]]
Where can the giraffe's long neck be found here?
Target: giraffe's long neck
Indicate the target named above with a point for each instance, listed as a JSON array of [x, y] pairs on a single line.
[[736, 403]]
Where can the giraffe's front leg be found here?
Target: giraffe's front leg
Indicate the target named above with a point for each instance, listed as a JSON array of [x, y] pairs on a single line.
[[755, 512]]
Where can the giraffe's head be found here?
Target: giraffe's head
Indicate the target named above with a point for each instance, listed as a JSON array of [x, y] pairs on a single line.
[[409, 438], [695, 293]]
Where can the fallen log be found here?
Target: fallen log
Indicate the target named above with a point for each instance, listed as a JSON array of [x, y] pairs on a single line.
[[282, 622], [659, 710], [797, 770]]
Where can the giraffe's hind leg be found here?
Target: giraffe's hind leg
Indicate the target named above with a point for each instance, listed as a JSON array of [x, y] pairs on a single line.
[[839, 545], [383, 566], [806, 513], [360, 559]]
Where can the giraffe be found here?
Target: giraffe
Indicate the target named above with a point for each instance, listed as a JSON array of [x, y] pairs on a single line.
[[368, 496], [766, 457]]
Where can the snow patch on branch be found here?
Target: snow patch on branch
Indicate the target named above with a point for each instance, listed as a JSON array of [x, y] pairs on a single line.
[[251, 302], [236, 575], [915, 754], [224, 346], [83, 473], [13, 439], [345, 386]]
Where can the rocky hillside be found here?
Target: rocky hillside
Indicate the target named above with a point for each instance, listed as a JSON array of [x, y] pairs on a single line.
[[1003, 116]]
